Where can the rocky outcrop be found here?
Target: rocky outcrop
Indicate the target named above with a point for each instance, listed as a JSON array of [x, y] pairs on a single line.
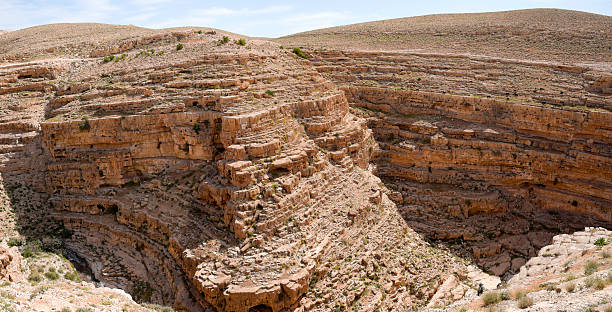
[[479, 157], [10, 264]]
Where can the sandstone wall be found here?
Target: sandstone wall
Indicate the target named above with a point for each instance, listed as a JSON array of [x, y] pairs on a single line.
[[497, 154]]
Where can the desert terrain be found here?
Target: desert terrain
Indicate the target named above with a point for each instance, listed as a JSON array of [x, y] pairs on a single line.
[[437, 163]]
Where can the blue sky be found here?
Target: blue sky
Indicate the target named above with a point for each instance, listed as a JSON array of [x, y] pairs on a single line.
[[255, 18]]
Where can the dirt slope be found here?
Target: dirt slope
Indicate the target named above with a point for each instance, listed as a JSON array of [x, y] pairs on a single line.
[[542, 34]]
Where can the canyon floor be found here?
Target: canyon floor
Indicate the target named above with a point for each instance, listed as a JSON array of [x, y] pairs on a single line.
[[440, 163]]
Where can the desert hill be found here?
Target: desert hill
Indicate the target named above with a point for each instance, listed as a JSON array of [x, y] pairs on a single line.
[[207, 171], [541, 34]]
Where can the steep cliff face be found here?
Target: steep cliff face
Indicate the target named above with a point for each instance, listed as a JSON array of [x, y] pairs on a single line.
[[493, 155], [216, 149], [215, 177]]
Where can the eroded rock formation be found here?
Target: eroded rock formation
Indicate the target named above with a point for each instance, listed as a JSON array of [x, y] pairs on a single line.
[[229, 177], [493, 155]]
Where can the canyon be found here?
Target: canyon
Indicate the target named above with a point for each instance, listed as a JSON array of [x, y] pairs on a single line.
[[199, 171]]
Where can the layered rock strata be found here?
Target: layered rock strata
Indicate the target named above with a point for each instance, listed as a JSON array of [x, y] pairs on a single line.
[[216, 177], [493, 155]]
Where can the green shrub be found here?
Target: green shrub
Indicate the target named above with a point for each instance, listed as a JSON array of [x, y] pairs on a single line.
[[225, 40], [590, 267], [161, 52], [109, 58], [600, 242], [525, 302], [34, 278], [595, 282], [269, 93], [491, 298], [52, 276], [85, 124], [66, 309], [27, 253], [299, 53], [179, 46], [196, 127], [84, 310], [281, 47], [199, 32], [72, 276], [15, 241], [240, 42]]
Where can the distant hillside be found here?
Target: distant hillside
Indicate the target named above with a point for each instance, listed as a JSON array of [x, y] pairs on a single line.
[[548, 34], [75, 39]]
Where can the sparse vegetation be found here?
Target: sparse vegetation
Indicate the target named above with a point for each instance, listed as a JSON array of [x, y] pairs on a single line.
[[225, 40], [158, 308], [15, 241], [240, 42], [269, 93], [600, 242], [109, 58], [595, 282], [84, 125], [72, 276], [570, 287], [491, 298], [179, 46], [34, 278], [27, 253], [590, 267], [52, 275], [196, 127], [299, 53], [525, 302]]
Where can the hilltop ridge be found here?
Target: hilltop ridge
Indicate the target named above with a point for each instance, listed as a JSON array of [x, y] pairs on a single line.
[[541, 34]]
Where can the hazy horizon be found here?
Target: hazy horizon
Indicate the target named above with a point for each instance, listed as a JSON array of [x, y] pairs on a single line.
[[264, 19]]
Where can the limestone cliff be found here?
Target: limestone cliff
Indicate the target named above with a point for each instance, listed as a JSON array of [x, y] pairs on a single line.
[[494, 153]]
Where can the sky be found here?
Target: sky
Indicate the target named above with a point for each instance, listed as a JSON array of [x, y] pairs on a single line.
[[263, 18]]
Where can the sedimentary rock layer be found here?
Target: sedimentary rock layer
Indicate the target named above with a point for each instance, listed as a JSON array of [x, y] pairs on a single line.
[[495, 152]]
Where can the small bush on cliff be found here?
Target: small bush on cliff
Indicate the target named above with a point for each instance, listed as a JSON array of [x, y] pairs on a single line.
[[299, 53], [72, 276], [52, 276], [179, 46], [491, 298], [15, 241], [27, 253], [196, 127], [590, 267], [109, 58], [600, 242], [269, 93], [224, 40], [595, 282], [525, 302], [34, 278], [85, 124], [240, 42]]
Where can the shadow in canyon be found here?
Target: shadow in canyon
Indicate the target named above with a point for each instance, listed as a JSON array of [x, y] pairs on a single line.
[[498, 242]]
